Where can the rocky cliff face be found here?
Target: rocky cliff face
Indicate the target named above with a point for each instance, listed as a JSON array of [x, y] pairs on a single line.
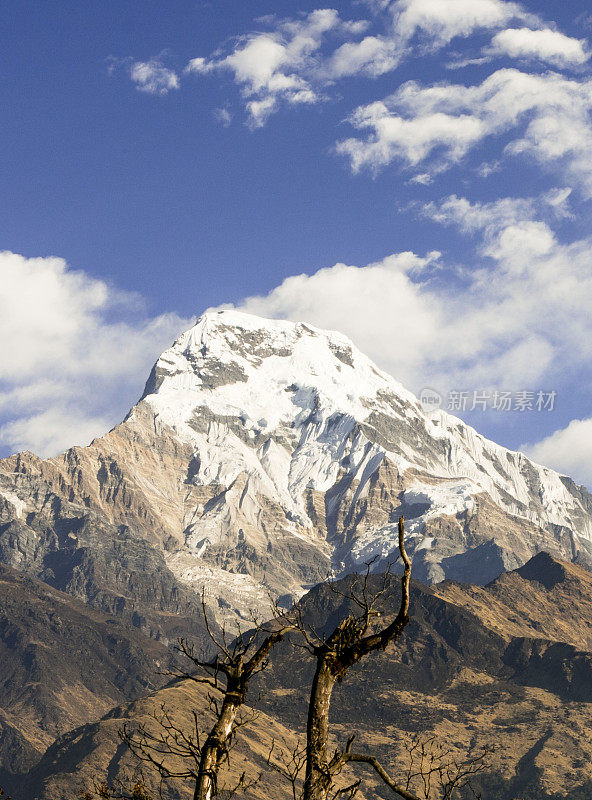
[[262, 456]]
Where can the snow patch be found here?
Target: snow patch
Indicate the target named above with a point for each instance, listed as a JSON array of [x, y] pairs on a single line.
[[447, 499], [15, 501]]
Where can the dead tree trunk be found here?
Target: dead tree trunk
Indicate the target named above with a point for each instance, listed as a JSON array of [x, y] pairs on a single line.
[[215, 748], [317, 780], [238, 671], [347, 644]]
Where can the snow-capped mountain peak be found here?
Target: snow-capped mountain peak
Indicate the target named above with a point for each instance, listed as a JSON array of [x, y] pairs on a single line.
[[250, 366], [265, 453], [274, 381]]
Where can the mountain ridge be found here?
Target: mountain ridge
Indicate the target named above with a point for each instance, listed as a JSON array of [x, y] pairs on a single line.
[[452, 675], [265, 454]]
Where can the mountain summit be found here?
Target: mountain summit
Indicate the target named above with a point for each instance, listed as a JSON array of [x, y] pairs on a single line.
[[265, 454]]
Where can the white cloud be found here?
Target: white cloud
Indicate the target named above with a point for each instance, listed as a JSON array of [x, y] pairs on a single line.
[[75, 353], [568, 450], [296, 60], [493, 217], [223, 116], [410, 140], [546, 45], [486, 169], [517, 317], [436, 22], [52, 431], [373, 56], [459, 62], [153, 77], [271, 67], [440, 124], [422, 179], [379, 306], [443, 20]]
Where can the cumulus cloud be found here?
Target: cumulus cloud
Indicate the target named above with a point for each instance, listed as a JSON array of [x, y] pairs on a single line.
[[75, 353], [411, 139], [223, 116], [547, 45], [153, 76], [434, 22], [441, 124], [295, 61], [373, 56], [568, 450], [493, 217], [530, 286], [52, 431], [517, 317], [377, 305]]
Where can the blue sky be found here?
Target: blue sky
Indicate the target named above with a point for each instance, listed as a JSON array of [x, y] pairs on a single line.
[[158, 161]]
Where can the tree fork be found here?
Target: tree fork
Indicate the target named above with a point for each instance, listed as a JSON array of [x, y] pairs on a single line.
[[346, 645]]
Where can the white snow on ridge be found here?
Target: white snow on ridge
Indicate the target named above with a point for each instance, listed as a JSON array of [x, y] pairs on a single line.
[[299, 355], [241, 593], [507, 474], [286, 400], [299, 390], [447, 499]]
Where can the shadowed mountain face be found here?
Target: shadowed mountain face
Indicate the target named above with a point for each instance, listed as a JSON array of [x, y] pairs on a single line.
[[508, 664], [62, 664], [262, 455]]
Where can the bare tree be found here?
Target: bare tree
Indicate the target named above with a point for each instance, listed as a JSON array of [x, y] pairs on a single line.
[[350, 641], [136, 791], [433, 772], [164, 743], [429, 771]]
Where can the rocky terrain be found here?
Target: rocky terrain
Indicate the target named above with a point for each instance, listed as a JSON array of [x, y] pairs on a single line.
[[63, 664], [262, 456], [79, 551], [525, 688]]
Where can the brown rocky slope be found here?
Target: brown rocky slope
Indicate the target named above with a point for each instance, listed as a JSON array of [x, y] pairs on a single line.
[[62, 664], [509, 665]]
